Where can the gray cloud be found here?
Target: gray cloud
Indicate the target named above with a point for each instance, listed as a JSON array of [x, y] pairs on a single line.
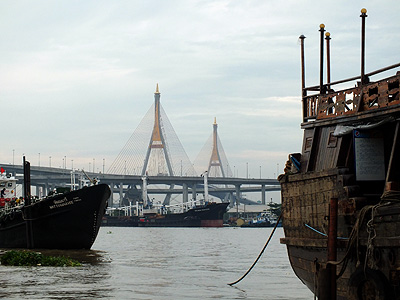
[[77, 77]]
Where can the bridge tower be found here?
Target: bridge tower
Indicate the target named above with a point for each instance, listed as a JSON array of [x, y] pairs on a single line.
[[212, 157], [153, 148], [157, 153], [215, 165]]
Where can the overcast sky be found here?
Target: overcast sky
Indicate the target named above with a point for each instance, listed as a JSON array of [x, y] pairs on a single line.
[[77, 77]]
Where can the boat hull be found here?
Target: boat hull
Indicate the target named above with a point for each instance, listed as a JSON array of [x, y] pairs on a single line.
[[306, 224], [62, 221], [210, 215]]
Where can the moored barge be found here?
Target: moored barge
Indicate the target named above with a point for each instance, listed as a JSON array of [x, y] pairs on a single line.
[[69, 220], [206, 215]]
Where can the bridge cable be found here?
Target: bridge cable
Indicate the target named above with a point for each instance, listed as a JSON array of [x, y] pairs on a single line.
[[262, 251]]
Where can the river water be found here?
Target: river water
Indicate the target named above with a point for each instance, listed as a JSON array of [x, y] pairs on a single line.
[[164, 263]]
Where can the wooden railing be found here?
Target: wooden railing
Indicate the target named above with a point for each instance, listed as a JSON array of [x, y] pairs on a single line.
[[371, 96]]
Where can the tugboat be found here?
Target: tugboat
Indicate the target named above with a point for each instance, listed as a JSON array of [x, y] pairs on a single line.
[[341, 194], [69, 220]]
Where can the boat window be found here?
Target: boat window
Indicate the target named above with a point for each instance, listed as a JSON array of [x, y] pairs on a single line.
[[10, 184], [308, 144], [332, 140], [2, 184]]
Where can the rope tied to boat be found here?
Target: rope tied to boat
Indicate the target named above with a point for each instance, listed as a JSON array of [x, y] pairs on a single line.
[[262, 251], [388, 198], [391, 195]]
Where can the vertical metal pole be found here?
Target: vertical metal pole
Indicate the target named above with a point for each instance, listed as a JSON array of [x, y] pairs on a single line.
[[27, 182], [27, 199], [328, 60], [303, 78], [321, 58], [332, 245], [363, 16]]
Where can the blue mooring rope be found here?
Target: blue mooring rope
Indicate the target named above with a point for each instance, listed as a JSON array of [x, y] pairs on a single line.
[[339, 238]]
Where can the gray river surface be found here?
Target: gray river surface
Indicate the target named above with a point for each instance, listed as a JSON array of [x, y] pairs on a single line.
[[164, 263]]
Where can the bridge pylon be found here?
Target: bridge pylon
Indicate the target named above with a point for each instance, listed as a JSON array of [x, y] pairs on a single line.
[[215, 165], [212, 157], [157, 154], [154, 148]]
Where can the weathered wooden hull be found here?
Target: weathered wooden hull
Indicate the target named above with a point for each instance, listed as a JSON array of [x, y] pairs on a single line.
[[306, 200]]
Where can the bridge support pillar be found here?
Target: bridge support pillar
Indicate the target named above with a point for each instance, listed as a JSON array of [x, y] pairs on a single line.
[[263, 194], [194, 192], [185, 192], [121, 192], [46, 189], [237, 188]]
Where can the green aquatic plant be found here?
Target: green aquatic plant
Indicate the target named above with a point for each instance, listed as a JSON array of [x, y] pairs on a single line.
[[30, 258]]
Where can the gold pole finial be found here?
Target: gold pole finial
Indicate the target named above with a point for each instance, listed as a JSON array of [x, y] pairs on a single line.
[[157, 91], [215, 120]]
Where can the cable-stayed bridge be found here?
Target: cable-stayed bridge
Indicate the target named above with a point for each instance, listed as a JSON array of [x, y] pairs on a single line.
[[128, 187], [153, 148], [154, 151]]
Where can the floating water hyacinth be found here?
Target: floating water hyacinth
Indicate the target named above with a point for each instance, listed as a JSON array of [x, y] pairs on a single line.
[[29, 258]]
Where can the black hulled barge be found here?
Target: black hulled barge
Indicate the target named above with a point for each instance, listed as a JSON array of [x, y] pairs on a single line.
[[341, 194], [201, 215], [69, 220], [145, 213]]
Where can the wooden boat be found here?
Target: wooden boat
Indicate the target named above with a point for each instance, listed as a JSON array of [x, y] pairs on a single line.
[[69, 220], [341, 194]]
